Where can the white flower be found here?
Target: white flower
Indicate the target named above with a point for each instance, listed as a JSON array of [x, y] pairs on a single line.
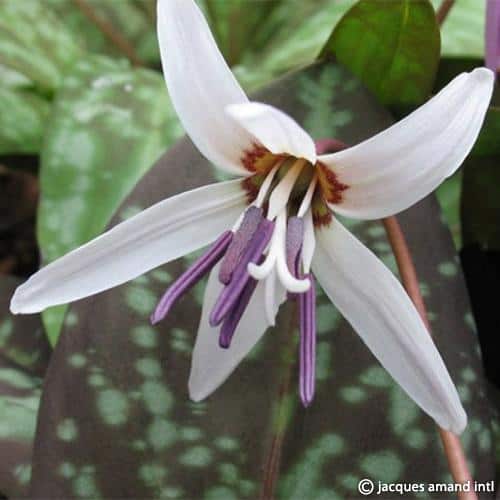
[[277, 161]]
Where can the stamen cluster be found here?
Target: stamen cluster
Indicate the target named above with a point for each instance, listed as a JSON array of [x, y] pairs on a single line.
[[268, 243]]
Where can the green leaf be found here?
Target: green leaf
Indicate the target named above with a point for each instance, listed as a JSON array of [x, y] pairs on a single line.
[[34, 43], [462, 33], [240, 26], [391, 45], [24, 357], [11, 78], [133, 19], [109, 124], [22, 120], [289, 38]]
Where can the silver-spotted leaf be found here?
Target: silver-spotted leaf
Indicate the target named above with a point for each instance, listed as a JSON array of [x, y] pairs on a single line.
[[134, 20], [23, 116], [290, 37], [35, 43], [109, 124], [24, 356]]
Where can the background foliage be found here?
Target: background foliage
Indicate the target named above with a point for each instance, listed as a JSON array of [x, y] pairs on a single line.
[[84, 115]]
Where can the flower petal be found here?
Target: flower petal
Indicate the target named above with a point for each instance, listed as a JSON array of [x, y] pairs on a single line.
[[210, 364], [399, 166], [373, 301], [275, 130], [201, 84], [166, 231]]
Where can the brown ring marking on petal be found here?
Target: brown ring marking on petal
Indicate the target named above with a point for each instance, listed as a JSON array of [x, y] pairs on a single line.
[[259, 160], [331, 187], [251, 186], [322, 215]]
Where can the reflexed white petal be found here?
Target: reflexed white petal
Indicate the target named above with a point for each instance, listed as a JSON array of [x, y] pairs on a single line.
[[200, 84], [166, 231], [371, 298], [399, 166], [210, 364], [274, 129]]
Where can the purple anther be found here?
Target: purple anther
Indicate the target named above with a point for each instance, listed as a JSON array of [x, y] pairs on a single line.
[[233, 318], [230, 294], [325, 146], [194, 274], [242, 237], [307, 311], [294, 239], [492, 35]]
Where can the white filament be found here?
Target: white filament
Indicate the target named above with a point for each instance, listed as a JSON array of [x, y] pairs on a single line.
[[262, 271], [289, 281], [261, 196], [266, 185], [281, 193], [270, 298], [238, 222], [309, 243], [275, 264], [276, 259], [306, 201]]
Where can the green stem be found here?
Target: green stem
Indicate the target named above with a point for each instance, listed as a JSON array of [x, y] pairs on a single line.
[[109, 31]]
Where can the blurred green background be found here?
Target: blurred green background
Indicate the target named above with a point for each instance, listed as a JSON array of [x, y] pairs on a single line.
[[84, 111]]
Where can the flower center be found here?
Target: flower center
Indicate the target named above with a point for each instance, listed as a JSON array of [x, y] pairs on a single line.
[[327, 187], [272, 242]]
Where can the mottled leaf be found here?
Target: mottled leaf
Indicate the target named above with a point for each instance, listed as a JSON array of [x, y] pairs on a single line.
[[240, 26], [115, 418], [34, 43], [391, 45], [23, 115], [11, 78], [290, 37], [24, 356], [132, 19], [109, 124]]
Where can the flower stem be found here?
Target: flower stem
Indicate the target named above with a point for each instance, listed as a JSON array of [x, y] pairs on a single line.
[[444, 10], [281, 412], [109, 31], [451, 443]]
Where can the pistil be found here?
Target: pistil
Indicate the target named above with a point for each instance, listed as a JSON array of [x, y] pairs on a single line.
[[307, 368], [281, 193]]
